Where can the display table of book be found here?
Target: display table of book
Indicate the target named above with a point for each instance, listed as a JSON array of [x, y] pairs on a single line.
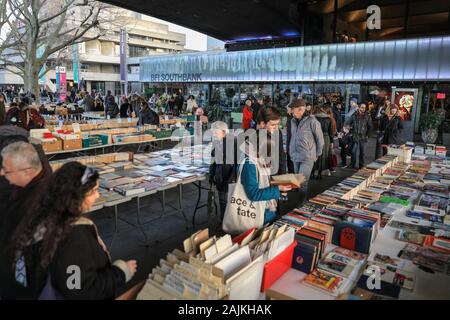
[[126, 176], [383, 233]]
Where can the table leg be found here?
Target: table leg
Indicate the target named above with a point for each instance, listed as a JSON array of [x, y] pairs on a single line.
[[199, 187], [180, 201], [138, 212], [116, 220]]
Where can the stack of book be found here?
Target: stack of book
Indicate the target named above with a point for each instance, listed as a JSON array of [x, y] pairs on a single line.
[[367, 196], [336, 272], [311, 244], [427, 257], [323, 200]]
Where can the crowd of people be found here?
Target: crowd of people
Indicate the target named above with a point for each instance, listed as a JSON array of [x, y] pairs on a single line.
[[44, 234], [23, 111], [316, 136]]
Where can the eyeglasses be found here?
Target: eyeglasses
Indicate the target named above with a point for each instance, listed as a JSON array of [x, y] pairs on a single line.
[[5, 173]]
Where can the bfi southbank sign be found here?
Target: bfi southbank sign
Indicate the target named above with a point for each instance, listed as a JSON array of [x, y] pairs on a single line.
[[176, 77]]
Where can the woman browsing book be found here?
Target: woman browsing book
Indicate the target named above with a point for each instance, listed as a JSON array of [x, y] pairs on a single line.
[[255, 178]]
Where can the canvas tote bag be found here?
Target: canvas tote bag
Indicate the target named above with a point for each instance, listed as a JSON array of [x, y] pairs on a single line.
[[241, 213]]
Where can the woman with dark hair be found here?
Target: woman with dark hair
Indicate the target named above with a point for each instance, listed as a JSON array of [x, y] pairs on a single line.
[[59, 234], [125, 108], [389, 131]]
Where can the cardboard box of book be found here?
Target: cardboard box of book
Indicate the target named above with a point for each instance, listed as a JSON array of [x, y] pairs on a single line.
[[95, 140], [52, 146], [403, 152], [72, 144], [430, 149], [441, 151]]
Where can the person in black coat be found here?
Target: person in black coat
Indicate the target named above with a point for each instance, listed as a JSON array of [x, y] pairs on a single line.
[[147, 115], [345, 144], [23, 169], [111, 108], [269, 119], [391, 126], [78, 263], [222, 170], [125, 109], [337, 114]]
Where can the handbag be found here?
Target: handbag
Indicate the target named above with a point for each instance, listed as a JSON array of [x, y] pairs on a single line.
[[241, 213]]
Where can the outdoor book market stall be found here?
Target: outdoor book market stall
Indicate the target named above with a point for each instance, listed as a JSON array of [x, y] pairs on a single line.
[[382, 233], [130, 177], [60, 137]]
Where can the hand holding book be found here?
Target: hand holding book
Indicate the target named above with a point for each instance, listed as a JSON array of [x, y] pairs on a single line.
[[284, 189], [294, 181]]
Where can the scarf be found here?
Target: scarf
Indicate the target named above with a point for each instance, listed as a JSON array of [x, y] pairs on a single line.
[[263, 170]]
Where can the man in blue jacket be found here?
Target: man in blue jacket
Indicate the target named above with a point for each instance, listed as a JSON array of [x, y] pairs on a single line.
[[306, 142]]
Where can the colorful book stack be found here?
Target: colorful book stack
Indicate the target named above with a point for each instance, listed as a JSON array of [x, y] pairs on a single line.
[[336, 271]]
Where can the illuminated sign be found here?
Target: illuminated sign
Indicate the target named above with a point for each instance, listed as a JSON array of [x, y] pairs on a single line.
[[176, 77]]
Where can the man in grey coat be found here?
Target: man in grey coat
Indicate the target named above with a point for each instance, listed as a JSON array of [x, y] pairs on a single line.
[[305, 141]]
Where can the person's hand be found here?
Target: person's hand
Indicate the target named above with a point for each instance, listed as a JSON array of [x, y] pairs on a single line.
[[284, 189], [132, 265]]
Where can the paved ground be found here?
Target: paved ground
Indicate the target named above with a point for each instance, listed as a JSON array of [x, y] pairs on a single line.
[[168, 232]]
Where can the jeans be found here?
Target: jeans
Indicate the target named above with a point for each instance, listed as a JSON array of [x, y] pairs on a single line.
[[304, 168], [358, 149]]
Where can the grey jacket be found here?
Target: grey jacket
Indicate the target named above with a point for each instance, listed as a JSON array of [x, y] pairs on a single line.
[[306, 143], [88, 103]]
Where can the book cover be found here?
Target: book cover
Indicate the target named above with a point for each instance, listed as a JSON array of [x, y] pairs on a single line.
[[385, 288], [411, 237], [337, 264], [304, 256], [351, 236], [325, 281], [392, 276]]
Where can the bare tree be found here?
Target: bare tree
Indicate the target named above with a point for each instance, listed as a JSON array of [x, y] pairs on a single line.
[[43, 29], [5, 16]]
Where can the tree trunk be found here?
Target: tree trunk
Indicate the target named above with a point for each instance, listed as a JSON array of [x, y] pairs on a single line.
[[31, 77]]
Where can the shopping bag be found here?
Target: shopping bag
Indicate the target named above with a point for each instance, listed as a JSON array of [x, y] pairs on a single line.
[[241, 213]]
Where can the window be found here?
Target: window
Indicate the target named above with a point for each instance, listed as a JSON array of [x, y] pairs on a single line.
[[137, 36], [137, 51]]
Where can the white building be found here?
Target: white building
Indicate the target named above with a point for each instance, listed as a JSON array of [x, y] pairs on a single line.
[[99, 59]]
